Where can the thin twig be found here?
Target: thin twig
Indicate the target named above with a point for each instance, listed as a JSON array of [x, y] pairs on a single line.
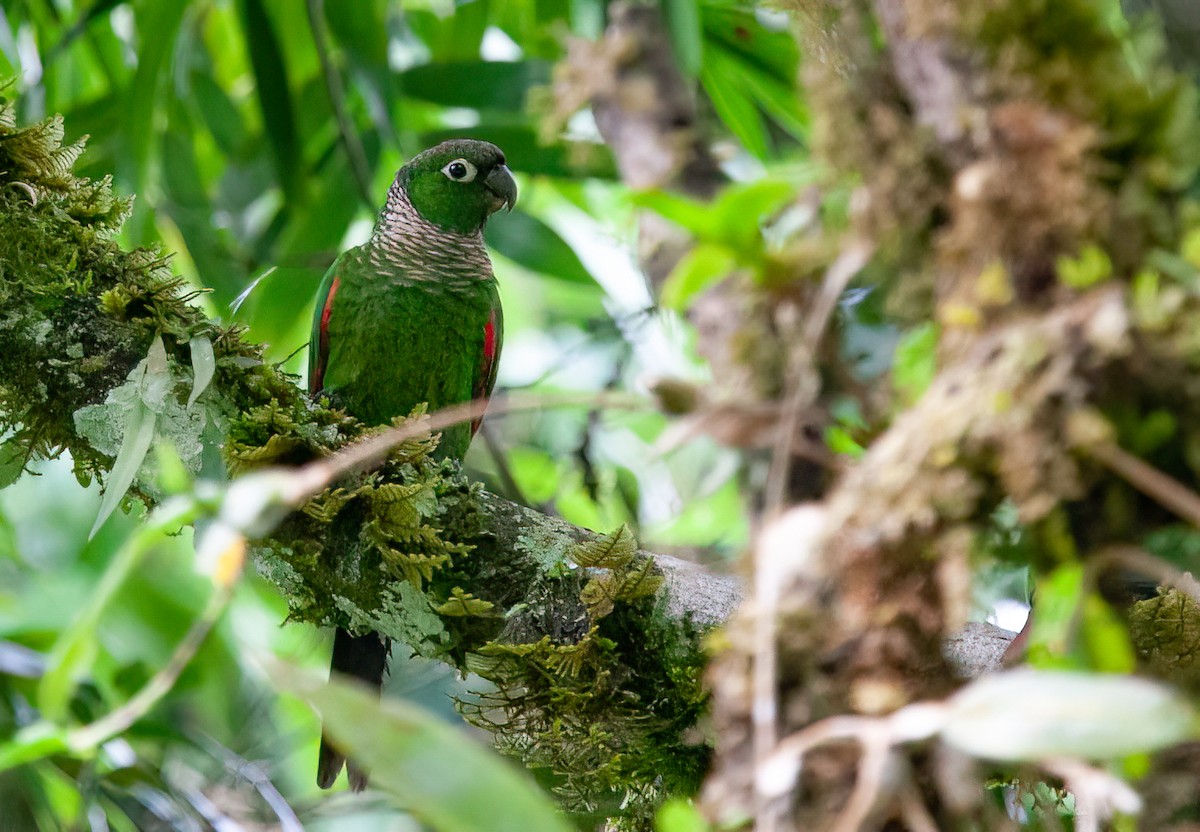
[[913, 810], [503, 471], [253, 774], [764, 707], [333, 84], [800, 393], [874, 735], [848, 264], [316, 476], [791, 750], [1150, 481], [839, 274], [103, 729], [797, 394], [872, 766], [584, 450], [1142, 562], [208, 810]]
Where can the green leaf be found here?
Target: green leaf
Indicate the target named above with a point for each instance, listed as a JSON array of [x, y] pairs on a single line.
[[536, 472], [721, 80], [173, 475], [444, 778], [480, 85], [274, 95], [461, 604], [613, 551], [1179, 545], [686, 34], [139, 432], [781, 101], [1106, 634], [163, 19], [463, 34], [704, 266], [457, 36], [1029, 715], [740, 209], [678, 815], [204, 364], [188, 205], [1058, 595], [75, 650], [13, 456], [738, 31], [587, 19], [1150, 433], [93, 11], [916, 362], [759, 65], [840, 441], [273, 308], [690, 214], [140, 420], [361, 28], [529, 242], [1091, 267], [33, 742], [733, 219], [218, 111]]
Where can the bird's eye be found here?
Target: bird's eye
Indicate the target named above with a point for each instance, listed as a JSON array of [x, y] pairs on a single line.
[[460, 170]]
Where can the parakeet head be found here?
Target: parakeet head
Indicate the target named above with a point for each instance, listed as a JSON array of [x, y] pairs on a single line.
[[458, 184]]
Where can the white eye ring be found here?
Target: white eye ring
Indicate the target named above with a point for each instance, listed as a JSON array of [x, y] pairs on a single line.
[[460, 170]]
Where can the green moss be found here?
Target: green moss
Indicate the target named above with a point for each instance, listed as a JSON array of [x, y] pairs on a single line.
[[380, 551], [55, 259], [605, 718], [1072, 55], [80, 313], [1165, 630]]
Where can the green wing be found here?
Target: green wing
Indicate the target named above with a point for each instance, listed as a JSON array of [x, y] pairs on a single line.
[[318, 345]]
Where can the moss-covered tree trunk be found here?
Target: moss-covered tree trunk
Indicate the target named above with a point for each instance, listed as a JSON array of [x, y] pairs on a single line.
[[1024, 169]]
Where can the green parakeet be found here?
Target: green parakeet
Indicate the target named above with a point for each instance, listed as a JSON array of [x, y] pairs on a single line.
[[412, 315]]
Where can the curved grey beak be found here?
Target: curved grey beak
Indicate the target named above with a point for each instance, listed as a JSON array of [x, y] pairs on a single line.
[[501, 183]]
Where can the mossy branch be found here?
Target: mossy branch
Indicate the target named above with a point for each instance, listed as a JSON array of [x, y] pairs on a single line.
[[596, 658]]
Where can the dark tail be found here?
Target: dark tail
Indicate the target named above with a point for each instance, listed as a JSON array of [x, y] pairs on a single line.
[[361, 657]]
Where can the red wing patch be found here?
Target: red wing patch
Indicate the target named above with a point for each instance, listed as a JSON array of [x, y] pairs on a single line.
[[487, 367], [489, 340], [317, 381]]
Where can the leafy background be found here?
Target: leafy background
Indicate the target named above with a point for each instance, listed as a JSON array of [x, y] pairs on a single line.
[[258, 138]]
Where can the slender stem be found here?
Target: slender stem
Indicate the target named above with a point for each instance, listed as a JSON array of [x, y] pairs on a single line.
[[317, 475], [1152, 482], [799, 387], [800, 392], [91, 735], [503, 472], [255, 775], [58, 684], [1138, 560], [337, 98]]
